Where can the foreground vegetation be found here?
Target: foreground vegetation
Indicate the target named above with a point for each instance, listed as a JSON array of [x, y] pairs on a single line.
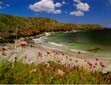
[[31, 26], [49, 73]]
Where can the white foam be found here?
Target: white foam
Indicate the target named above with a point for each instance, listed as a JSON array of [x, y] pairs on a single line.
[[38, 40], [78, 51], [45, 46], [56, 44], [50, 48], [47, 33]]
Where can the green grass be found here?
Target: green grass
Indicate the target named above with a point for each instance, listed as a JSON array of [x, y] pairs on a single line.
[[23, 74]]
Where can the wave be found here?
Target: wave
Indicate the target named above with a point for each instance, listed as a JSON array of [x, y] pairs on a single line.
[[40, 40], [56, 44], [78, 51]]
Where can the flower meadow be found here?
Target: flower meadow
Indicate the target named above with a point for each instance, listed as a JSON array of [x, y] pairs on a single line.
[[56, 70], [49, 73]]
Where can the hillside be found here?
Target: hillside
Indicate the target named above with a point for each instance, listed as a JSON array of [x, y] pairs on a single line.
[[31, 26]]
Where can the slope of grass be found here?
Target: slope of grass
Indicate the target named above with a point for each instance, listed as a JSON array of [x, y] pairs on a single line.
[[31, 26], [42, 74]]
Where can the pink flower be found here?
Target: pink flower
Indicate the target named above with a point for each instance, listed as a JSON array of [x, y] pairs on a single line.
[[102, 64], [59, 61], [70, 59], [56, 52], [47, 65], [4, 48], [90, 67], [40, 54], [85, 60], [48, 52], [94, 66], [25, 57], [15, 58], [79, 52], [66, 57], [76, 61], [60, 72], [23, 43], [96, 63], [32, 62], [4, 53], [63, 54], [89, 63], [97, 59]]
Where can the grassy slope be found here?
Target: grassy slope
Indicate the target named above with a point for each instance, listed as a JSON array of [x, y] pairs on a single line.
[[31, 74], [31, 26]]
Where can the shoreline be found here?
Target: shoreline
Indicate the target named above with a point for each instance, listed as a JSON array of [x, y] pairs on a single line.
[[60, 45], [31, 55], [39, 38], [64, 56]]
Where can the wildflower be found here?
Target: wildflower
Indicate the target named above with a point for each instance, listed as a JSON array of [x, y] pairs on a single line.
[[62, 54], [32, 62], [4, 48], [56, 52], [97, 59], [102, 64], [96, 63], [89, 63], [70, 59], [48, 52], [66, 57], [47, 65], [76, 61], [90, 67], [85, 60], [59, 61], [25, 57], [60, 72], [23, 43], [79, 52], [4, 53], [94, 66], [15, 58], [40, 54]]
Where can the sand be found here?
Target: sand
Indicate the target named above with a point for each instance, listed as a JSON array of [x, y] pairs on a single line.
[[42, 53]]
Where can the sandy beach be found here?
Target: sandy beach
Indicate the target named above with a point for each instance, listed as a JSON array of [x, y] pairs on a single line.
[[38, 53]]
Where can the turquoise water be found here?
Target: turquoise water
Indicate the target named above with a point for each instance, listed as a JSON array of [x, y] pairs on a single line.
[[95, 41]]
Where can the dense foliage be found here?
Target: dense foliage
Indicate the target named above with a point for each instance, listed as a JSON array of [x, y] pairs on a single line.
[[31, 26]]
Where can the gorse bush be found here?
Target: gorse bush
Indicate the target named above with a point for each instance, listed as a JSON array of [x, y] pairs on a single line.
[[49, 73]]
